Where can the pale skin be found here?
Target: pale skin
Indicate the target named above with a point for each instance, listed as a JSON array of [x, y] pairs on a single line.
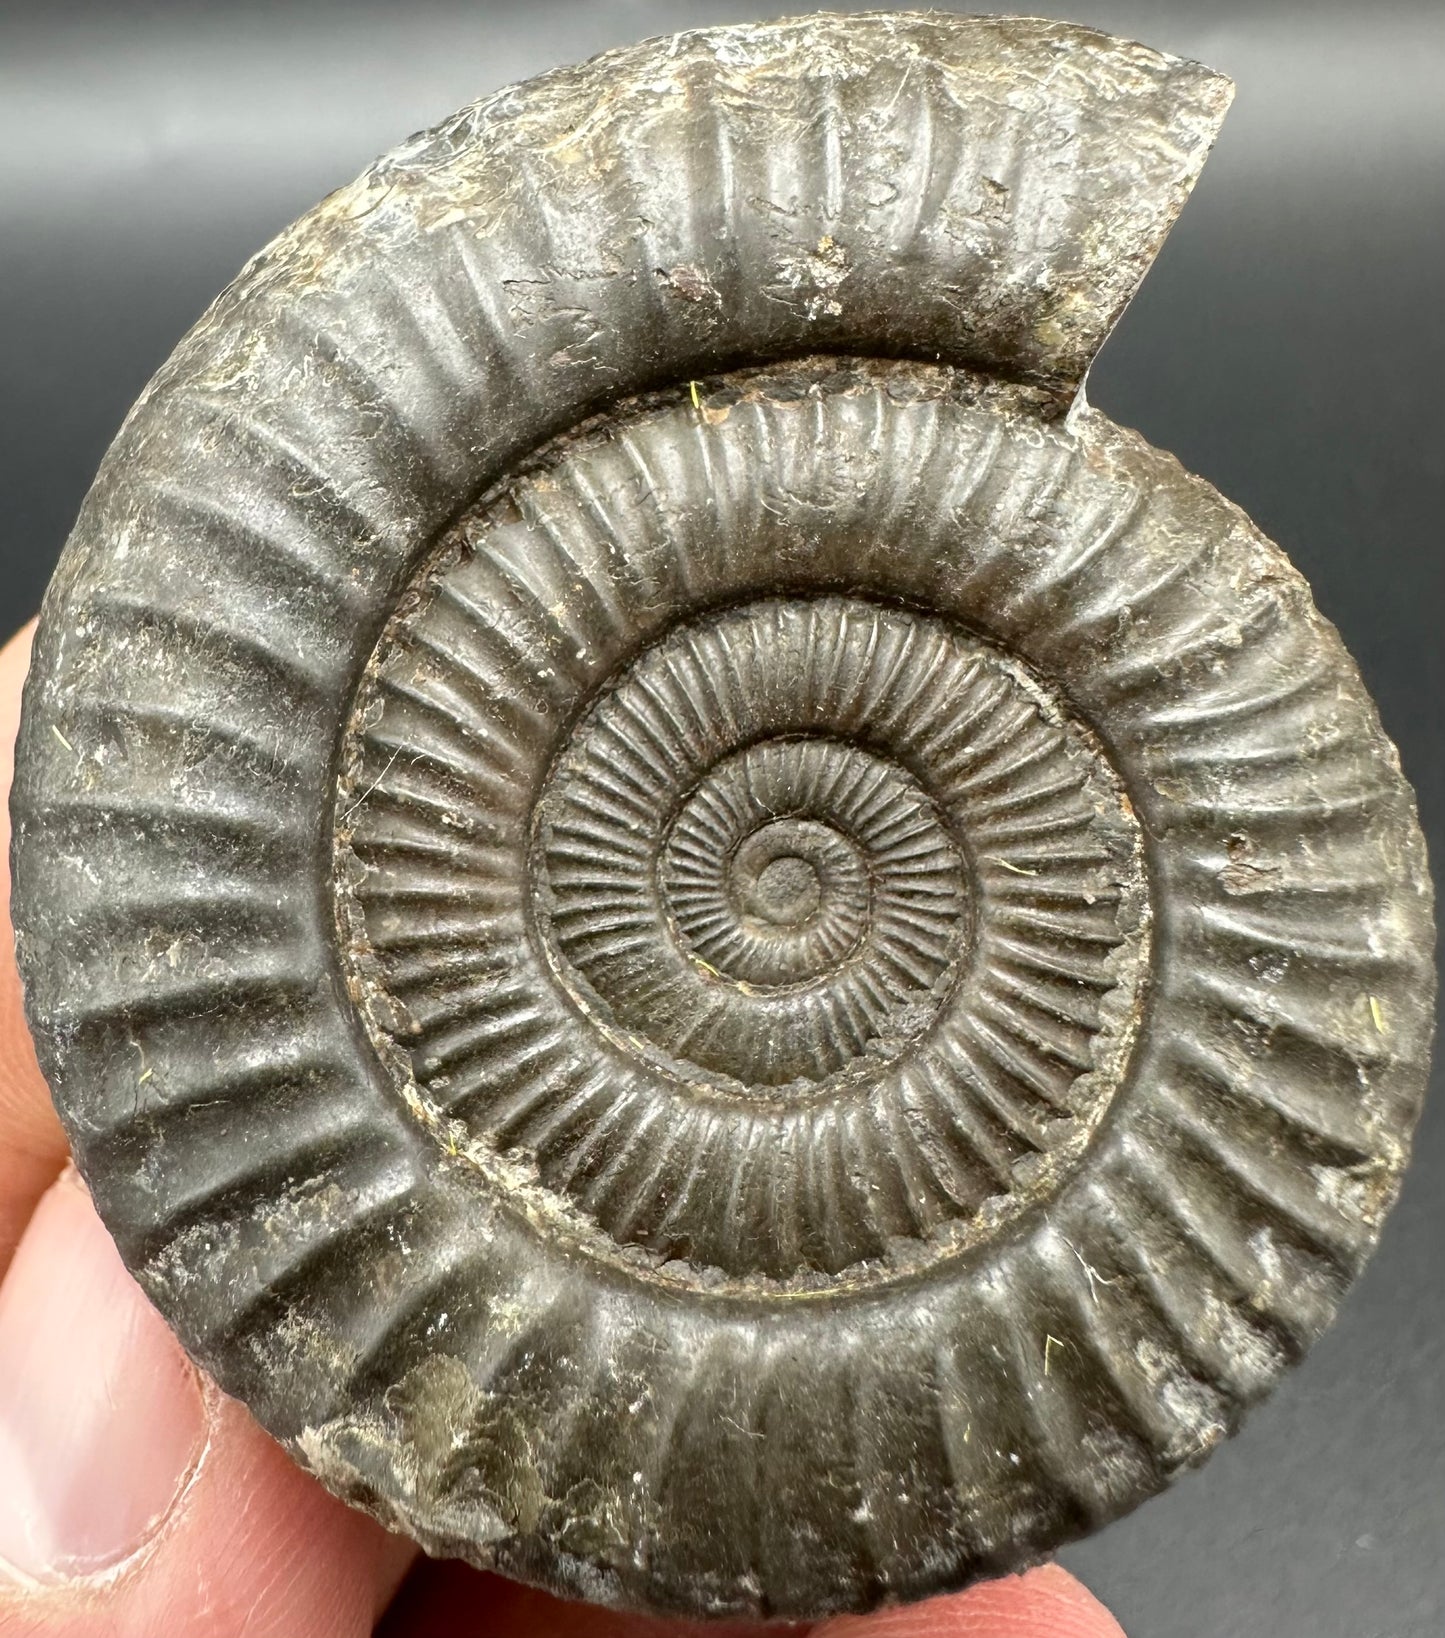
[[137, 1500]]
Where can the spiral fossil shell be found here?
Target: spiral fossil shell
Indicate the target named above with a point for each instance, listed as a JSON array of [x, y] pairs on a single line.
[[722, 950], [820, 895]]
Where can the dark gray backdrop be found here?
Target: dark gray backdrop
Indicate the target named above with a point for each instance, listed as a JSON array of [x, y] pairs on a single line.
[[1289, 345]]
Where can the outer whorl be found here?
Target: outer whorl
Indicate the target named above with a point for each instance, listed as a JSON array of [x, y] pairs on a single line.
[[718, 958]]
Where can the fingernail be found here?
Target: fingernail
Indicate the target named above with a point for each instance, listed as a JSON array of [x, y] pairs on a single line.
[[101, 1417]]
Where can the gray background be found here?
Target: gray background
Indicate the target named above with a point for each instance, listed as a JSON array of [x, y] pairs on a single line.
[[1289, 345]]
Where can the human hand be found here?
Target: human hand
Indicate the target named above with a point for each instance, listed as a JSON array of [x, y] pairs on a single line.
[[137, 1501]]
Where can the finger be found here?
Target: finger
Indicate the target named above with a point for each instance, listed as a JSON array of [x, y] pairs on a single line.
[[1045, 1603], [135, 1498], [32, 1145], [448, 1600], [451, 1601]]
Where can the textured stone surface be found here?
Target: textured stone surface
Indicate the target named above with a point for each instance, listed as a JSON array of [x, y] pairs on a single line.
[[723, 951]]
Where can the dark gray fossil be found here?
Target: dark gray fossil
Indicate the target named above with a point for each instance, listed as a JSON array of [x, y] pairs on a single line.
[[722, 950]]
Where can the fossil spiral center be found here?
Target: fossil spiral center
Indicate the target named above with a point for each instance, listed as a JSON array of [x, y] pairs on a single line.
[[777, 878], [759, 899], [786, 891], [758, 933], [767, 897]]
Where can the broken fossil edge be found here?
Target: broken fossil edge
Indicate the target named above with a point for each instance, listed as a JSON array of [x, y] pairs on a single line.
[[465, 1344]]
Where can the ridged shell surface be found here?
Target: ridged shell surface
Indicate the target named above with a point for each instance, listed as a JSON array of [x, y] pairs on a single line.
[[723, 951]]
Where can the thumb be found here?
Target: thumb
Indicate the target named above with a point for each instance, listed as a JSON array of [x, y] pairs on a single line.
[[134, 1496]]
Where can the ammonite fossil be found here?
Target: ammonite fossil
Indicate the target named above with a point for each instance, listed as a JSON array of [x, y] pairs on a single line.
[[722, 950]]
